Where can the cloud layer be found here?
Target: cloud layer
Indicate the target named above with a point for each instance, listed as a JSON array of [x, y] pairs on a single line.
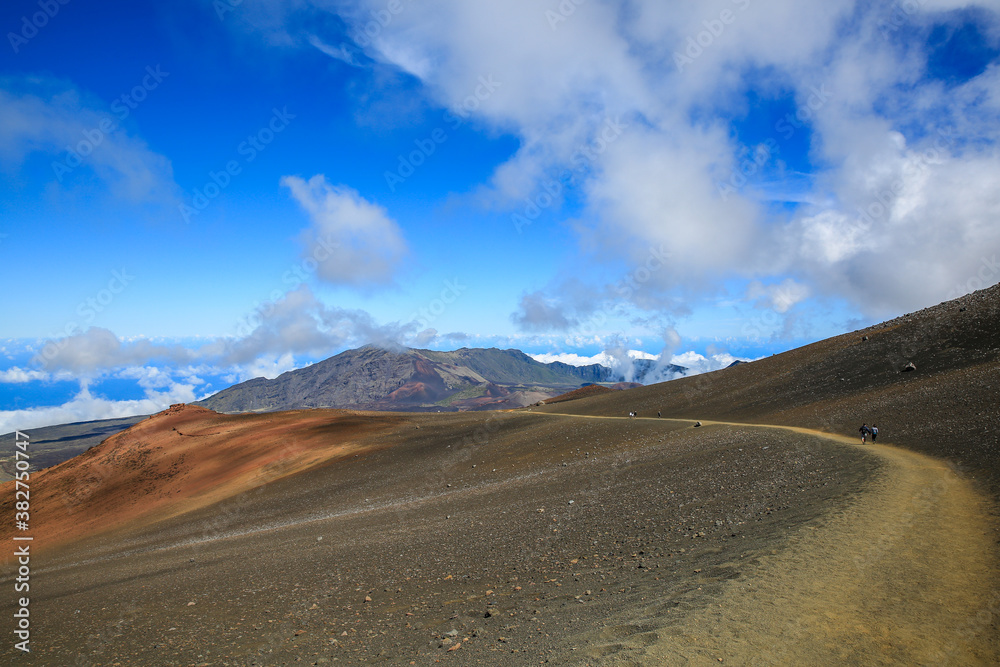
[[352, 241], [80, 137], [637, 100]]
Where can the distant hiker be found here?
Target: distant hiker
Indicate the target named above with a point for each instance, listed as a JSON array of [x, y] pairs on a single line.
[[874, 431], [864, 432], [657, 414]]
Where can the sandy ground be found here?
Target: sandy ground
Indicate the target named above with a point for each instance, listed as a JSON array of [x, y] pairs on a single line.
[[905, 574], [452, 539]]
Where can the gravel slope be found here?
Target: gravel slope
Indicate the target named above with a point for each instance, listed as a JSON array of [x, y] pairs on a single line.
[[381, 547]]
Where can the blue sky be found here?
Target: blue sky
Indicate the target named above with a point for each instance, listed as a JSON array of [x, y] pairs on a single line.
[[196, 193]]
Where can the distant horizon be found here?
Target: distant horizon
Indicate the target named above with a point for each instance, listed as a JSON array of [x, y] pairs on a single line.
[[200, 193]]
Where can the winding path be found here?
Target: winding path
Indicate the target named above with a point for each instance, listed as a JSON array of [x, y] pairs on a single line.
[[905, 574]]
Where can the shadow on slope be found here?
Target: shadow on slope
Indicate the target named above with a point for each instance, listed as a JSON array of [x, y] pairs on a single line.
[[945, 406], [179, 460]]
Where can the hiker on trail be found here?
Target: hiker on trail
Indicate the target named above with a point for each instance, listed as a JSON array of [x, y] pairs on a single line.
[[874, 431], [864, 432], [657, 414]]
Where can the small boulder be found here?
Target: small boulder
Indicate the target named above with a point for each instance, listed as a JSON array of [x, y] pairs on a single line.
[[910, 366]]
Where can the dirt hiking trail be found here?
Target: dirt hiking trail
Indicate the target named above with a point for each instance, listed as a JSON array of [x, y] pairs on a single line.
[[904, 574]]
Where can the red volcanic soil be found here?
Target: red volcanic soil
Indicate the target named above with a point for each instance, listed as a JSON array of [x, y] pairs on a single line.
[[582, 392], [179, 460], [621, 386], [412, 391]]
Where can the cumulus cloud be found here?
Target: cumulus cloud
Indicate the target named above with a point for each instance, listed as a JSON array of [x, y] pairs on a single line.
[[18, 375], [605, 358], [537, 312], [301, 324], [98, 349], [646, 368], [295, 325], [86, 407], [600, 93], [780, 297], [353, 241], [342, 52], [47, 117]]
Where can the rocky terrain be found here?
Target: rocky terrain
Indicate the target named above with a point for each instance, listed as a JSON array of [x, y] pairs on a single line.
[[929, 379], [750, 529], [514, 535], [55, 444], [372, 378], [381, 379]]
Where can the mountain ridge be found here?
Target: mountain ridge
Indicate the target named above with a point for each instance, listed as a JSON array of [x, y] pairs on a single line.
[[376, 378]]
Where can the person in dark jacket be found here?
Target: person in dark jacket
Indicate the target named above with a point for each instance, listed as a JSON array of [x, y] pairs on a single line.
[[864, 430]]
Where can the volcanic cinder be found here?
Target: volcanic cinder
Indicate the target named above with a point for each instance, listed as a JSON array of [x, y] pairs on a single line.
[[565, 533]]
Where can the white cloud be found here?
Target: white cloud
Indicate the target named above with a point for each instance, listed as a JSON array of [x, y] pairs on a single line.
[[574, 359], [86, 407], [341, 52], [54, 116], [353, 241], [781, 297], [623, 362], [698, 363], [97, 350], [267, 366], [18, 375], [296, 324], [873, 112], [537, 312]]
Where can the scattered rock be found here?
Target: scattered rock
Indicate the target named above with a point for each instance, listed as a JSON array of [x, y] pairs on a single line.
[[697, 424]]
